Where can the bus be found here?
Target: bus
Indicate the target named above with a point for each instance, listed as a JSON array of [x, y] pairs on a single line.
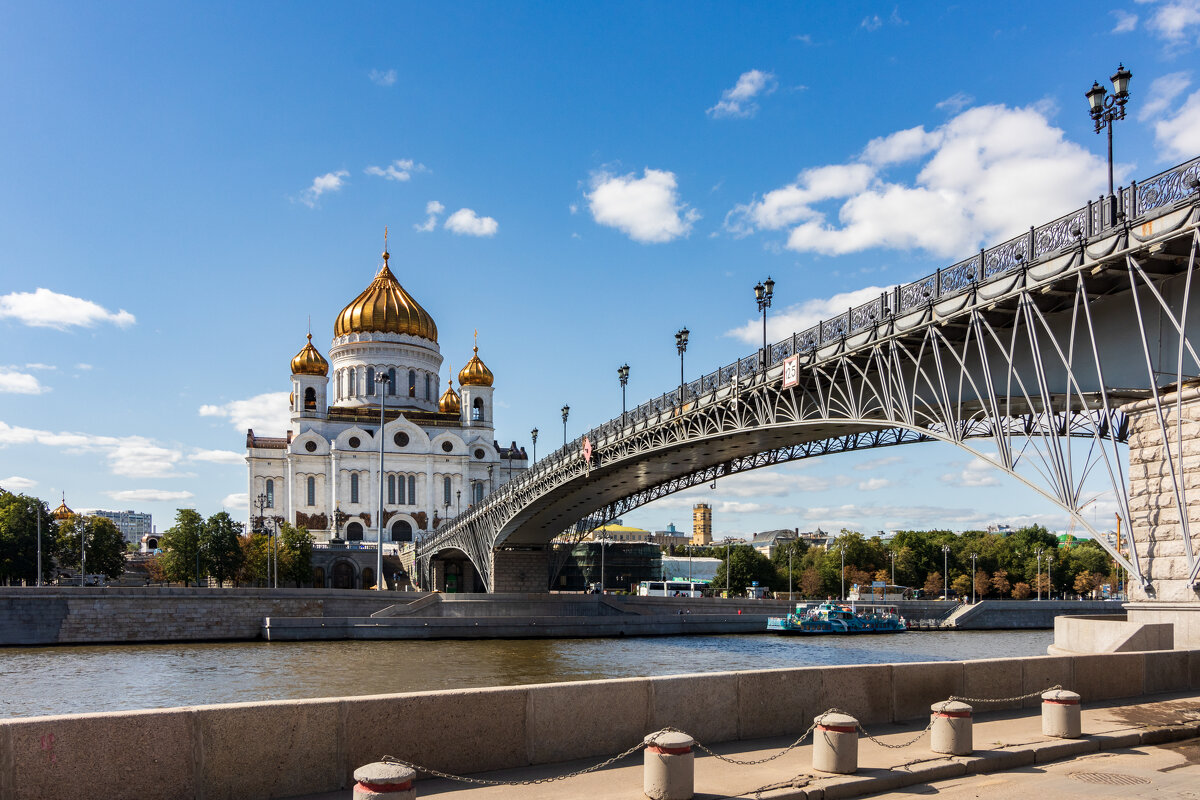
[[672, 588]]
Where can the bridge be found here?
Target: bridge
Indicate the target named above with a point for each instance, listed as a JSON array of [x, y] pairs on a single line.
[[1037, 355]]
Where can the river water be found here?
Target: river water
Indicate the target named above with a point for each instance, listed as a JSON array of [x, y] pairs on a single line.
[[64, 680]]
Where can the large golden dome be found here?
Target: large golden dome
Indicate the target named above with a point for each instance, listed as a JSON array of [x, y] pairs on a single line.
[[475, 373], [449, 402], [309, 362], [62, 512], [384, 307]]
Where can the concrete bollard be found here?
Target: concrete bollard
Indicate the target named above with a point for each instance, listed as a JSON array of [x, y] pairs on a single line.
[[1060, 714], [835, 744], [669, 771], [951, 732], [384, 781]]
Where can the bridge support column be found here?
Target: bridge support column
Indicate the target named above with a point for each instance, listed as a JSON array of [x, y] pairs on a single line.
[[523, 571], [1156, 530]]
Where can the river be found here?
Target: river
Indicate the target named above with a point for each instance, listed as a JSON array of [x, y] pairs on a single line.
[[70, 679]]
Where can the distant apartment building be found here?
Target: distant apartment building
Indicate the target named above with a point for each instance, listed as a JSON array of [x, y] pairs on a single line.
[[702, 524], [670, 538], [133, 525], [769, 541]]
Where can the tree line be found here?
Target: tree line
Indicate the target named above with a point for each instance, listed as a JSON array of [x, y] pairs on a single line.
[[1004, 566], [96, 541]]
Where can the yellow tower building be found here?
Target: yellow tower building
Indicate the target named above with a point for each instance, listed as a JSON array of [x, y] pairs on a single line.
[[702, 524]]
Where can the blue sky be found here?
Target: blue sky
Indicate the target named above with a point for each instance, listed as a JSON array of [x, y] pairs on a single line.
[[185, 185]]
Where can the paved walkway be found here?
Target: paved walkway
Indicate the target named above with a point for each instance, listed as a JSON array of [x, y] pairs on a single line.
[[1142, 749]]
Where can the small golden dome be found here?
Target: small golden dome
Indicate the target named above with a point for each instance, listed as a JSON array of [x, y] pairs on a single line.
[[475, 373], [309, 362], [384, 307], [449, 402], [62, 512]]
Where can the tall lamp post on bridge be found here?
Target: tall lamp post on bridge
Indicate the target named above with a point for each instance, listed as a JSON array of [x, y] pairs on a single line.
[[681, 339], [1106, 110], [623, 377], [533, 435], [384, 381], [566, 410], [763, 292]]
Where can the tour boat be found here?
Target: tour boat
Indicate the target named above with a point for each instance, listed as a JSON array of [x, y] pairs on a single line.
[[836, 618]]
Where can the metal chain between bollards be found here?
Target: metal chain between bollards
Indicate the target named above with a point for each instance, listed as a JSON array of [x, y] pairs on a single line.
[[863, 731], [531, 782], [753, 762], [1038, 693]]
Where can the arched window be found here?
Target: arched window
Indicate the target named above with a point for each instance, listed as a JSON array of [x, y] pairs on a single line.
[[371, 381], [428, 390], [402, 531], [391, 490], [353, 487], [412, 383], [412, 490], [354, 532], [368, 578], [310, 399], [270, 493], [477, 492], [351, 391], [477, 409], [338, 385], [312, 491], [446, 491], [401, 500], [392, 381]]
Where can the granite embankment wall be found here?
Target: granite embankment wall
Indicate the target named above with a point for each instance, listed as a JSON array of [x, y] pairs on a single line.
[[31, 616], [1024, 614], [290, 748]]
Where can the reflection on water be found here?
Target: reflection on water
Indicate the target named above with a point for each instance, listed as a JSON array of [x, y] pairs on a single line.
[[62, 680]]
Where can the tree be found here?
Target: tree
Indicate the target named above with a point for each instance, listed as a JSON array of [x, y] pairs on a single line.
[[254, 559], [220, 546], [983, 584], [810, 583], [746, 565], [1022, 591], [1042, 582], [181, 546], [934, 584], [1000, 582], [295, 555], [19, 538], [961, 585], [1085, 583], [103, 545]]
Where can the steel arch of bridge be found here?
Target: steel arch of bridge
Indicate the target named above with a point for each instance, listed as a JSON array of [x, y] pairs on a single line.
[[1026, 356]]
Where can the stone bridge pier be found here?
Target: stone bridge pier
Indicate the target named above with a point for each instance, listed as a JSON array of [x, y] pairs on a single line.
[[520, 570], [1164, 477]]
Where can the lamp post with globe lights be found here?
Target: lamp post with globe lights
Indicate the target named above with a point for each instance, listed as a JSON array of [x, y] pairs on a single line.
[[681, 341], [1105, 110], [763, 292]]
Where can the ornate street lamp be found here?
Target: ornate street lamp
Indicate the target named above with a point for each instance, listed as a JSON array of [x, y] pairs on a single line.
[[533, 435], [763, 292], [946, 569], [681, 340], [973, 557], [1039, 572], [383, 379], [623, 377], [566, 410], [1106, 110]]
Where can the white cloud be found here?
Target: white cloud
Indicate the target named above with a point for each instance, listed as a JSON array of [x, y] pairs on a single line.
[[1125, 23], [739, 101], [41, 366], [1162, 93], [382, 77], [15, 483], [236, 501], [955, 102], [648, 209], [218, 456], [267, 413], [129, 456], [873, 484], [466, 222], [876, 463], [978, 472], [991, 172], [1179, 134], [433, 209], [20, 383], [43, 308], [329, 182], [401, 169], [83, 366], [1173, 20], [872, 23], [149, 495], [802, 316]]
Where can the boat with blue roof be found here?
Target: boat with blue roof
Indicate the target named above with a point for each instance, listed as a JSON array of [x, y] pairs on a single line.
[[835, 618]]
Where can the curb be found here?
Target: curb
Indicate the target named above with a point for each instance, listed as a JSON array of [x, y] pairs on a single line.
[[875, 781]]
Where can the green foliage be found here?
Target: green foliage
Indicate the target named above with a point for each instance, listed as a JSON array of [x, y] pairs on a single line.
[[220, 546], [255, 552], [181, 547], [19, 539], [103, 546], [746, 565], [295, 556]]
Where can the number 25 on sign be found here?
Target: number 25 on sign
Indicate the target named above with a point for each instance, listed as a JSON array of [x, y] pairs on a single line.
[[791, 372]]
